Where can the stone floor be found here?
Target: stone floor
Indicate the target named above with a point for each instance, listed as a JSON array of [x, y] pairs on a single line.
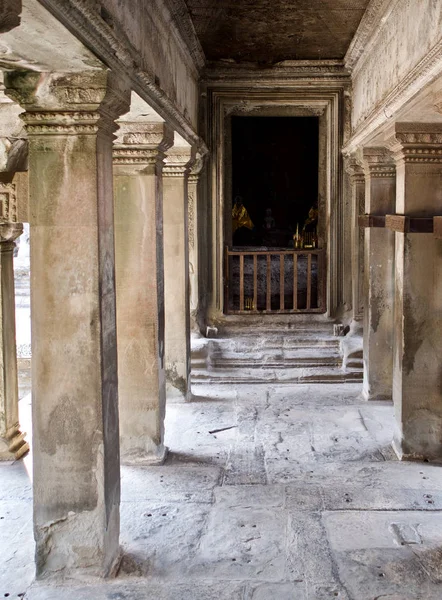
[[269, 493]]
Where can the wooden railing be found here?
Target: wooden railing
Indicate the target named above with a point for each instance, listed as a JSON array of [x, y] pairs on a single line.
[[274, 281]]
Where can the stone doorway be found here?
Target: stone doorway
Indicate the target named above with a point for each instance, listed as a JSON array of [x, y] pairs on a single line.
[[273, 262]]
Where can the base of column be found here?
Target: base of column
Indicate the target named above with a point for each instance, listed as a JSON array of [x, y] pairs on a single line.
[[404, 453], [157, 457], [13, 446], [179, 391], [66, 547], [373, 397]]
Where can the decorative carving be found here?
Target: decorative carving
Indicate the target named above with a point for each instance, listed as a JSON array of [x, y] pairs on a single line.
[[178, 162], [368, 27], [8, 203], [354, 170], [145, 135], [174, 170], [302, 69], [81, 17], [191, 201], [184, 25], [80, 103], [197, 167], [416, 142], [142, 144], [130, 156], [63, 123], [427, 69]]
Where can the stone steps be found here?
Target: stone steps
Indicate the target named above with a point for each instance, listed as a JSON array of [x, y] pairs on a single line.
[[280, 376], [246, 355]]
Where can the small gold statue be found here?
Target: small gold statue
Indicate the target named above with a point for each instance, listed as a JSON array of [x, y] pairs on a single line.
[[297, 239], [240, 216]]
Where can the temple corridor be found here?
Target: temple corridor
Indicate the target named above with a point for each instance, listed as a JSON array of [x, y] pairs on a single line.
[[269, 491], [221, 299]]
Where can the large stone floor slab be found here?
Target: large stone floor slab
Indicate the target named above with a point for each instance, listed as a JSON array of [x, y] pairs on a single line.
[[268, 493]]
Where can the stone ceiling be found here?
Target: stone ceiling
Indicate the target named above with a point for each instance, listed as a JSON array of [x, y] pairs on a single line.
[[269, 31]]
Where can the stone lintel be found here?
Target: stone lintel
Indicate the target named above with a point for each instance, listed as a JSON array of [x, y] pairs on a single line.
[[405, 224]]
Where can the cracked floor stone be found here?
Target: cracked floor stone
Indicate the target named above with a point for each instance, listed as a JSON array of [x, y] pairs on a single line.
[[268, 492]]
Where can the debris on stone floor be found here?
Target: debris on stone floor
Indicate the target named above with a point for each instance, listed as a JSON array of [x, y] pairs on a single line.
[[298, 499]]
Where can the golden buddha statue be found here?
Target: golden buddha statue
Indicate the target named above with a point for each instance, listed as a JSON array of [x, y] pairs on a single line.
[[240, 216]]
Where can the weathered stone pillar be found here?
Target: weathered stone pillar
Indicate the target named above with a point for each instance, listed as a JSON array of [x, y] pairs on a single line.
[[138, 164], [70, 122], [176, 268], [193, 244], [357, 179], [379, 275], [12, 443], [417, 390]]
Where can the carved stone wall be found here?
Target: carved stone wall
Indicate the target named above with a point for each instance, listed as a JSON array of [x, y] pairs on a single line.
[[396, 53]]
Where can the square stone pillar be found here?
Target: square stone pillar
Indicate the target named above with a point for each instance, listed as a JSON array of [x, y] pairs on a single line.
[[178, 162], [417, 388], [12, 443], [70, 123], [380, 178], [138, 164], [357, 178], [194, 249]]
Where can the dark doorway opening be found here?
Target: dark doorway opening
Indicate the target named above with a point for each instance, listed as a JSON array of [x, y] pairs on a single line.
[[274, 168], [274, 263]]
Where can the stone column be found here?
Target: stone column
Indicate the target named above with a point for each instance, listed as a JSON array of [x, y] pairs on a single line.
[[194, 245], [138, 164], [70, 122], [357, 179], [379, 275], [12, 443], [417, 390], [176, 269]]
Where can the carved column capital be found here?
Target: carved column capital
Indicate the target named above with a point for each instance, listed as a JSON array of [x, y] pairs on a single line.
[[378, 163], [416, 142], [141, 145], [354, 169], [9, 232], [178, 162], [68, 103], [196, 169]]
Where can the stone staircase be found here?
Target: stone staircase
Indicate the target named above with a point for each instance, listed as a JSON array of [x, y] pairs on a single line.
[[280, 353]]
